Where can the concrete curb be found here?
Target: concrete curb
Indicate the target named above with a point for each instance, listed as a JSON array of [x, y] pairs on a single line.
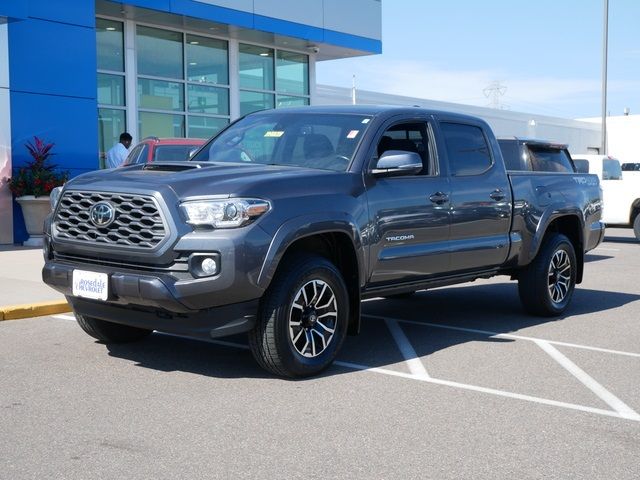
[[16, 312]]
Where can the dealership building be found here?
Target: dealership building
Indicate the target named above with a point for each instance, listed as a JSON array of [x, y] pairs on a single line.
[[80, 72]]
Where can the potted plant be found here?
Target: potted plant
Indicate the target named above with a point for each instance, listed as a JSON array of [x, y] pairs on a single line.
[[31, 186]]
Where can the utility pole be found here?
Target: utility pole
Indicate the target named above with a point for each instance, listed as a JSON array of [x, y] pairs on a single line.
[[605, 42], [353, 90], [494, 91]]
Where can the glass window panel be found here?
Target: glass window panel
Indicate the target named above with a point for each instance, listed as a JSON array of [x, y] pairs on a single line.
[[205, 127], [160, 125], [611, 170], [203, 99], [159, 53], [110, 45], [256, 67], [207, 60], [160, 95], [292, 73], [467, 149], [288, 101], [111, 123], [111, 89], [254, 101]]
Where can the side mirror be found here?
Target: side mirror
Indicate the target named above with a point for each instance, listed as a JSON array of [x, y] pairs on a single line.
[[394, 163]]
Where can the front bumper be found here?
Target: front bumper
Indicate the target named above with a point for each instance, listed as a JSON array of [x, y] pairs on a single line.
[[211, 323], [198, 307]]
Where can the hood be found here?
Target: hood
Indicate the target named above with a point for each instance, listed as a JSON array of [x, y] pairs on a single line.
[[190, 179]]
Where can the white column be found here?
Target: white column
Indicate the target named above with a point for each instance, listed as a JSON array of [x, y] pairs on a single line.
[[131, 79], [312, 79], [6, 203], [234, 79]]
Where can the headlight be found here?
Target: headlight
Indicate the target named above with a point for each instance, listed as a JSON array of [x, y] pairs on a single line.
[[54, 196], [228, 213]]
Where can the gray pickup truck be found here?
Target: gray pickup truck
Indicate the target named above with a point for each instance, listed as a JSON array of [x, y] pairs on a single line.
[[281, 224]]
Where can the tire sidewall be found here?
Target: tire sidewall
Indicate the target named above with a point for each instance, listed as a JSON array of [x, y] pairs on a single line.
[[560, 242], [294, 362]]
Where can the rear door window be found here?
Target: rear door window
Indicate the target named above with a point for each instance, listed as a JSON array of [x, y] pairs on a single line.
[[467, 149]]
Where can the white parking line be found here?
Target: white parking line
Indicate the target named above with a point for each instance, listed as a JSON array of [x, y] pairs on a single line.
[[410, 356], [492, 391], [605, 250], [605, 395], [622, 410], [507, 335]]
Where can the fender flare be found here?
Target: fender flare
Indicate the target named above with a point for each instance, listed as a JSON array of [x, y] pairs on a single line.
[[305, 226], [551, 214]]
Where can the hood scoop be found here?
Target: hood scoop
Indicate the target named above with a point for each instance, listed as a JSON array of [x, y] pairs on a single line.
[[171, 166]]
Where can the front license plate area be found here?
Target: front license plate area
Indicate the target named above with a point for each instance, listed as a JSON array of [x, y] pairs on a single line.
[[90, 285]]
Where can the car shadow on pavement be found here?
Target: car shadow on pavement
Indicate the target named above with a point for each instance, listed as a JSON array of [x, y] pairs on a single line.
[[596, 258], [493, 308], [618, 239]]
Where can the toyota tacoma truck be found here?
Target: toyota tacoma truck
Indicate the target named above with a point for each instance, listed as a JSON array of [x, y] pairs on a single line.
[[283, 222]]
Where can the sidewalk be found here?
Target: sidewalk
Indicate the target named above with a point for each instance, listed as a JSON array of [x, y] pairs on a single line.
[[22, 292]]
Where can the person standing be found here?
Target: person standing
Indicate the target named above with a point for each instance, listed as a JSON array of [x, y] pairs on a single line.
[[117, 154]]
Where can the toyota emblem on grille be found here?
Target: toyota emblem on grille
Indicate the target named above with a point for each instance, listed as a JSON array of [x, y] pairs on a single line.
[[102, 214]]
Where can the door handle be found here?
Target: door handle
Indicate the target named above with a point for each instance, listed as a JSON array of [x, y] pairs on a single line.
[[497, 195], [439, 198]]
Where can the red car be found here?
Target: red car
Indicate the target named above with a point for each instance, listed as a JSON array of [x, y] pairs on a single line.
[[154, 149]]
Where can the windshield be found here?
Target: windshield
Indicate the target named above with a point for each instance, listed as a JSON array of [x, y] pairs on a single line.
[[311, 140]]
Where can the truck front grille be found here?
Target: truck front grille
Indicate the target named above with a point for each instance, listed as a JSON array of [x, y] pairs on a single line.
[[137, 220]]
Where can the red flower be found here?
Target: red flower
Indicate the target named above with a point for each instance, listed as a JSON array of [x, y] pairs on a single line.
[[37, 177]]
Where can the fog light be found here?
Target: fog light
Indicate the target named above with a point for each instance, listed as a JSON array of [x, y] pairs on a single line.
[[204, 264], [209, 266]]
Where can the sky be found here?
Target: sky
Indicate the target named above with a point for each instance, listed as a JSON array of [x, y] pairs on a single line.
[[547, 53]]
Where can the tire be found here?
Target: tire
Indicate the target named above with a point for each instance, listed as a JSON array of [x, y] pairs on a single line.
[[109, 332], [636, 226], [302, 321], [546, 285]]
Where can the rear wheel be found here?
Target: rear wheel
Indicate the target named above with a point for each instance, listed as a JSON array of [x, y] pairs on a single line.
[[109, 332], [302, 321], [546, 285], [636, 226]]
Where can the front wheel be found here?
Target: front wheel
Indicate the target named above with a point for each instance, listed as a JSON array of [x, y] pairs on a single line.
[[303, 316], [636, 226], [546, 285]]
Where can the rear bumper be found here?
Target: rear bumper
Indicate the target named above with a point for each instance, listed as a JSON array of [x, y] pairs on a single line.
[[595, 235]]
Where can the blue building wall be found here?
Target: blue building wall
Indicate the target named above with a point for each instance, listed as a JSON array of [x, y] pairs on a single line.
[[52, 69]]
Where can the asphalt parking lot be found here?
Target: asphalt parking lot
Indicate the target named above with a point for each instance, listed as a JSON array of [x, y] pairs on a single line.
[[453, 383]]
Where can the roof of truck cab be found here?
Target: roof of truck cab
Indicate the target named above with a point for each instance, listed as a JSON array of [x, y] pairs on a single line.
[[372, 110]]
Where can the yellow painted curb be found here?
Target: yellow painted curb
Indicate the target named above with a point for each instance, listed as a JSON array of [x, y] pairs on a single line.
[[15, 312]]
